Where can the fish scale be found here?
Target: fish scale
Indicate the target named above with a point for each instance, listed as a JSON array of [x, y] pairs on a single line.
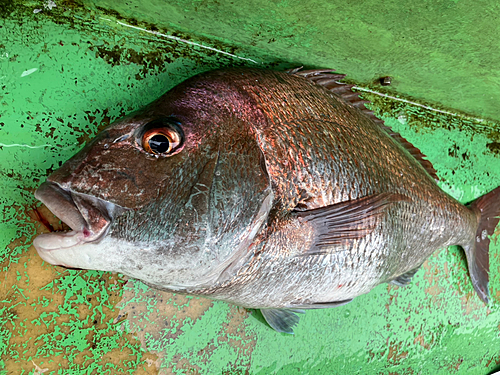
[[382, 178]]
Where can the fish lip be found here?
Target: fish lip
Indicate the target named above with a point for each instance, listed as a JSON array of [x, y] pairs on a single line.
[[89, 218]]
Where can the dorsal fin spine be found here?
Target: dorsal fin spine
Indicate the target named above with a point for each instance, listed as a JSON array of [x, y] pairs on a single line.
[[331, 81]]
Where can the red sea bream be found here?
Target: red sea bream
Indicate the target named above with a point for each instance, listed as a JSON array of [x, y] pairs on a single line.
[[270, 190]]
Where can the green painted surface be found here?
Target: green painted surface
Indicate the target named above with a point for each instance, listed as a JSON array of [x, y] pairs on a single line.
[[442, 51], [65, 71]]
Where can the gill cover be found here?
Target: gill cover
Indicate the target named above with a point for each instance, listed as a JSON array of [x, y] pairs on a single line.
[[188, 217]]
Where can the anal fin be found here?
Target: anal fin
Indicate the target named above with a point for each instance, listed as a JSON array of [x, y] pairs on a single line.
[[405, 278], [282, 320]]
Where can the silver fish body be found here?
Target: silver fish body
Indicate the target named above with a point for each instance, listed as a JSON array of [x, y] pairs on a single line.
[[276, 194]]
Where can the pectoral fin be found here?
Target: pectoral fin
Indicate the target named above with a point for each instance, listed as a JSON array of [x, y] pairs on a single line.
[[282, 320], [340, 223]]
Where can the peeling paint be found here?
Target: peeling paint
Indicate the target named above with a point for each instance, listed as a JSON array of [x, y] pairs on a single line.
[[28, 72]]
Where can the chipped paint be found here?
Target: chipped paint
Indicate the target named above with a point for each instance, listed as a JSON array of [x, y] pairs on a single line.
[[96, 65], [28, 72]]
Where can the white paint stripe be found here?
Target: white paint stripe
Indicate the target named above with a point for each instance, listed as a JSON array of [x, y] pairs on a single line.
[[418, 104], [33, 147], [181, 40]]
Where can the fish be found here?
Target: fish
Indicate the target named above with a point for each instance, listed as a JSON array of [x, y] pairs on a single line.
[[277, 191]]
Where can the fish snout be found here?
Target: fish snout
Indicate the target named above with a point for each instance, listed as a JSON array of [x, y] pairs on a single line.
[[88, 217]]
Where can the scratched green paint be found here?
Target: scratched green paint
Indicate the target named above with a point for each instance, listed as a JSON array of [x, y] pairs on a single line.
[[440, 51], [90, 69]]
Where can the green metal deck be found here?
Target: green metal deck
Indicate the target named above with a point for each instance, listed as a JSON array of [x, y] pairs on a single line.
[[67, 67]]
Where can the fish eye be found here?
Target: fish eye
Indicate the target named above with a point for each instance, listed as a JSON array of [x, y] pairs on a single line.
[[162, 137]]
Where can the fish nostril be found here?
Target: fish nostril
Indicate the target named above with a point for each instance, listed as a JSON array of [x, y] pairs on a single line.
[[86, 232]]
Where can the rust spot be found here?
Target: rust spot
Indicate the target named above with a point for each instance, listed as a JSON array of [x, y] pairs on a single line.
[[32, 297], [50, 133], [28, 300], [165, 314], [455, 366], [395, 355], [432, 276], [494, 147], [420, 340]]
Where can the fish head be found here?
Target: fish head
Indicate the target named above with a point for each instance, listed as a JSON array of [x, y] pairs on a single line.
[[172, 195]]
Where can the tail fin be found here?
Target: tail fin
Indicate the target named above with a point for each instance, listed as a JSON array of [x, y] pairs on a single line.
[[488, 209]]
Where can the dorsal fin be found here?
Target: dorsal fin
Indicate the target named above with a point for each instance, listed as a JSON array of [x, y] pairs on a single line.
[[331, 81], [415, 152]]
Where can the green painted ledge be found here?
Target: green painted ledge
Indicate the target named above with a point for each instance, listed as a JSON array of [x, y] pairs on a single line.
[[66, 70], [443, 52]]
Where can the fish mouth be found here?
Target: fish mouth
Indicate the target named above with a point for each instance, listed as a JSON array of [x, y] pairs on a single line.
[[88, 217]]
